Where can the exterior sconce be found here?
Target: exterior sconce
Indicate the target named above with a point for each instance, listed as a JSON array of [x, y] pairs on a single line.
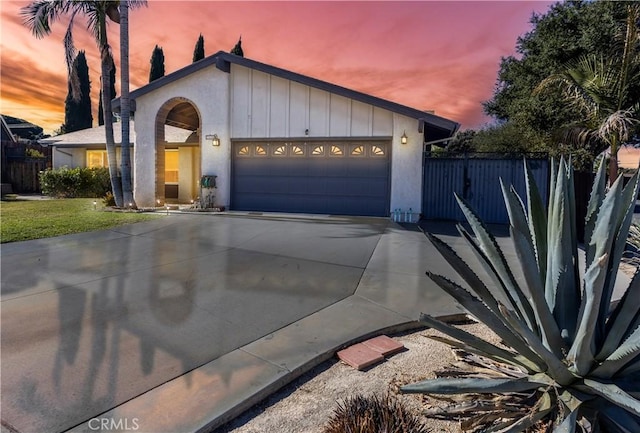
[[404, 138], [215, 141]]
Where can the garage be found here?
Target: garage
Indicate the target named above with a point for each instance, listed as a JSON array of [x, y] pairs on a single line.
[[339, 177], [280, 141]]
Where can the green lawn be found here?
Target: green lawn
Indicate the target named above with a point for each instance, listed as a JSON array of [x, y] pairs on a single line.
[[36, 219]]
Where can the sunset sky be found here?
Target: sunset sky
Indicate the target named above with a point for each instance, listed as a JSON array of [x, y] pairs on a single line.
[[441, 56]]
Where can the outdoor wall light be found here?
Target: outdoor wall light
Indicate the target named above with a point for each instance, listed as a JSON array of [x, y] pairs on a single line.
[[214, 139], [404, 138]]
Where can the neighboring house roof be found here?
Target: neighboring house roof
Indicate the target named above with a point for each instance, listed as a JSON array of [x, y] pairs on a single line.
[[443, 127], [7, 135], [95, 137], [628, 157]]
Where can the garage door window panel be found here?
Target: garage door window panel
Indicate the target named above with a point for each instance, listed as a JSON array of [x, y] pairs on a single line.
[[357, 150], [318, 151], [279, 150], [337, 150], [377, 151], [297, 150]]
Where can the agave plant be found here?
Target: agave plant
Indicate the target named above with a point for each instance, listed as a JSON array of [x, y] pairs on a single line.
[[570, 357]]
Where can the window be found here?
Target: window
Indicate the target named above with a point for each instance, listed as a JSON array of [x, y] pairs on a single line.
[[244, 151], [97, 158], [297, 150], [318, 151], [357, 151], [280, 150], [261, 151], [336, 150], [377, 151], [171, 166]]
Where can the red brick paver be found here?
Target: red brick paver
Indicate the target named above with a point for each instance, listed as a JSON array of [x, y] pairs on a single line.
[[384, 345], [360, 356]]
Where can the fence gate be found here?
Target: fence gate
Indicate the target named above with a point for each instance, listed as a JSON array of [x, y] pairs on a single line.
[[477, 180]]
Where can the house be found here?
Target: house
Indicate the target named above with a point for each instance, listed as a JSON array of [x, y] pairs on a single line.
[[7, 134], [628, 157], [87, 147], [276, 140]]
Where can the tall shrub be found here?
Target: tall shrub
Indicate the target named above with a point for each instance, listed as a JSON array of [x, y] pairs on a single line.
[[75, 182]]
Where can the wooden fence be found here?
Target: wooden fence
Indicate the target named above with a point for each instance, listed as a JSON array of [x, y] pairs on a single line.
[[21, 165]]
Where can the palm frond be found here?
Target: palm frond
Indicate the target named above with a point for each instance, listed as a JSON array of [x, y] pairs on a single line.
[[618, 126], [39, 15]]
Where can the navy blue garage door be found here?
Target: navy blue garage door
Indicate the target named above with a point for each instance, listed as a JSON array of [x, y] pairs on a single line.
[[339, 178]]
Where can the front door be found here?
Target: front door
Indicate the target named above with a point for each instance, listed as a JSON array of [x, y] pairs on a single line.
[[171, 175]]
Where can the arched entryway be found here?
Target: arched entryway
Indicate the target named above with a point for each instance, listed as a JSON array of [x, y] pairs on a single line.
[[178, 126]]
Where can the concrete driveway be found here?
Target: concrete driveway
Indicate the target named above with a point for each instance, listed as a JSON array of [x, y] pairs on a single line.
[[179, 323]]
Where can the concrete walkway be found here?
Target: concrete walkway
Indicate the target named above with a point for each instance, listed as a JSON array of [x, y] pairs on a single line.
[[181, 323]]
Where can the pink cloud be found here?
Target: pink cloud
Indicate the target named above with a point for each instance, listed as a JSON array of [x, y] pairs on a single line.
[[430, 55]]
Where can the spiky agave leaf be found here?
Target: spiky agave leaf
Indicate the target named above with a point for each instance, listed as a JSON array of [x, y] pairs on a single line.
[[561, 292], [499, 265], [482, 346], [472, 386], [537, 220], [622, 318], [526, 252], [479, 310], [624, 219], [598, 379], [598, 192]]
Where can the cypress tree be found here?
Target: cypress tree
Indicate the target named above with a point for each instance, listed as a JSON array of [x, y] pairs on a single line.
[[157, 64], [112, 86], [198, 51], [237, 50], [77, 114]]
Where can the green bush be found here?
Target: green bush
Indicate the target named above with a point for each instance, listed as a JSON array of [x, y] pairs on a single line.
[[33, 153], [75, 182]]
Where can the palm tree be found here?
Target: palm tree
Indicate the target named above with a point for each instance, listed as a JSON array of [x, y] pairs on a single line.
[[38, 17], [125, 104], [605, 91]]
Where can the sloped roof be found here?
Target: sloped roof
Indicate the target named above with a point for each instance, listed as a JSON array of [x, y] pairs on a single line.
[[96, 136], [629, 157], [223, 60], [7, 135]]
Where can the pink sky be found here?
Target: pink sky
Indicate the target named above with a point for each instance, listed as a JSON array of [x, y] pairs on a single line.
[[430, 55]]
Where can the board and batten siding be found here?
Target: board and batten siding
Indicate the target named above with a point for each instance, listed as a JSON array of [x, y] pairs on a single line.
[[266, 106]]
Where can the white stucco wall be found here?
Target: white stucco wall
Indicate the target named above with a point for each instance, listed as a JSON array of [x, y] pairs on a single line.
[[406, 166], [68, 157], [208, 90]]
